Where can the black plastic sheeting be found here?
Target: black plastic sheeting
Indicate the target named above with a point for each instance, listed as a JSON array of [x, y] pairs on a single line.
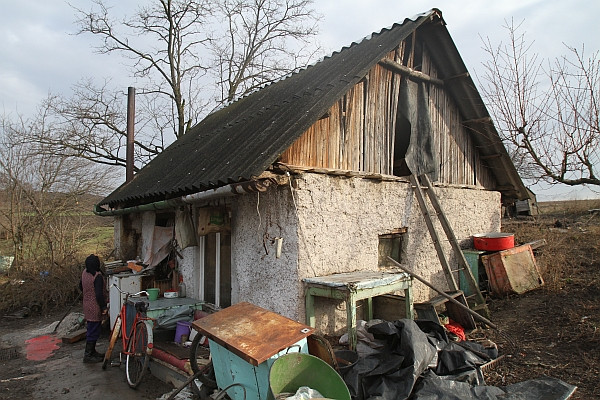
[[417, 361]]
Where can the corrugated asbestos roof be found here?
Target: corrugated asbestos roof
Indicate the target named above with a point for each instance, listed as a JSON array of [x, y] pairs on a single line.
[[243, 139]]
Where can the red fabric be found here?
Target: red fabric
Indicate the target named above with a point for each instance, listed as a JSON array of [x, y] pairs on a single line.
[[455, 328], [91, 308]]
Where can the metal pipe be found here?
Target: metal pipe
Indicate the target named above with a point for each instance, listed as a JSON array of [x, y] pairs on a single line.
[[129, 154], [450, 298], [230, 190], [159, 205], [224, 191]]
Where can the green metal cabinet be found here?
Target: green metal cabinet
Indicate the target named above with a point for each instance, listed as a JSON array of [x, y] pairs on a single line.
[[472, 257], [230, 368]]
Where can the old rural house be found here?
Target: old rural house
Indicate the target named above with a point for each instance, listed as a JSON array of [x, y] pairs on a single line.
[[309, 176]]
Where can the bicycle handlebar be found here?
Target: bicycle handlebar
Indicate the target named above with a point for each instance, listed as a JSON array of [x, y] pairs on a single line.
[[127, 293]]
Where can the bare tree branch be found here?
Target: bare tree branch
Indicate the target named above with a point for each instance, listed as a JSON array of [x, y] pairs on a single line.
[[265, 40], [40, 191], [162, 39], [548, 117], [173, 49]]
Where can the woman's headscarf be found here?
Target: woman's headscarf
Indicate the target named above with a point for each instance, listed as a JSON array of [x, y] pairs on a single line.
[[92, 264]]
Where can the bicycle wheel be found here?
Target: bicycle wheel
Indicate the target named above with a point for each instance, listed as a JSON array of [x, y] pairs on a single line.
[[114, 335], [137, 357], [207, 381]]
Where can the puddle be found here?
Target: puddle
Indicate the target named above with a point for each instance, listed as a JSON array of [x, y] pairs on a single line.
[[41, 347]]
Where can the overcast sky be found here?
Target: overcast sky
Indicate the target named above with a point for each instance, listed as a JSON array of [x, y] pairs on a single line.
[[39, 53]]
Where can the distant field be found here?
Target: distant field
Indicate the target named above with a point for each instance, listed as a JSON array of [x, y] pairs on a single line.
[[569, 206], [95, 237]]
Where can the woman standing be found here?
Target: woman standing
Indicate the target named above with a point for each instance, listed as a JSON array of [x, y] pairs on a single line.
[[94, 306]]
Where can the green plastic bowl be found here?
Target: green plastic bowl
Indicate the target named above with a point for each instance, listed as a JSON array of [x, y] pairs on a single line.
[[153, 293], [293, 370]]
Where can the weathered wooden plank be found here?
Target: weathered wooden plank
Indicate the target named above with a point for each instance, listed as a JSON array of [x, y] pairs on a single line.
[[74, 336], [358, 132]]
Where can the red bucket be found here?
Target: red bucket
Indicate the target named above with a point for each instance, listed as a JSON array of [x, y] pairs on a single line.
[[494, 241]]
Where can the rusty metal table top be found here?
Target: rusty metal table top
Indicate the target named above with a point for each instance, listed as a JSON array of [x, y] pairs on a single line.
[[251, 332]]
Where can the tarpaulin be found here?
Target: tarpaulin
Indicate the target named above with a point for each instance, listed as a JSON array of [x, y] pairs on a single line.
[[185, 233], [433, 387], [392, 372], [421, 156], [169, 319], [162, 239], [415, 360]]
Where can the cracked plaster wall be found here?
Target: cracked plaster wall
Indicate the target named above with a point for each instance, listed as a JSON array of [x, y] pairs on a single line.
[[334, 227]]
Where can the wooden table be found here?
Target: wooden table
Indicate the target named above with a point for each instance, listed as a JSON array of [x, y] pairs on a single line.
[[244, 342], [354, 286]]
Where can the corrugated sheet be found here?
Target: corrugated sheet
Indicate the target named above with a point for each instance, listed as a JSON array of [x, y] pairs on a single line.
[[243, 139]]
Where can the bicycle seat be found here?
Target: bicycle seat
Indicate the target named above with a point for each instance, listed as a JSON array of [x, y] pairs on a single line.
[[141, 306]]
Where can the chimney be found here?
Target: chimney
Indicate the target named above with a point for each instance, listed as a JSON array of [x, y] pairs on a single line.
[[129, 157]]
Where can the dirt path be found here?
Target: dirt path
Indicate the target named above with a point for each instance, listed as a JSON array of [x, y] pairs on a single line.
[[63, 375]]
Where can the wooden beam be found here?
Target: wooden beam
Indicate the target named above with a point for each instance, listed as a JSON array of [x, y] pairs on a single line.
[[483, 120], [537, 243], [490, 156], [409, 72], [505, 188], [459, 76], [74, 336]]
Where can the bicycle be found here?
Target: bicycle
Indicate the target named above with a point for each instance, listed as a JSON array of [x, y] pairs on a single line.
[[137, 343]]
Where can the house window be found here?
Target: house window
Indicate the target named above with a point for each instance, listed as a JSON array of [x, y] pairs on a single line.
[[392, 245], [215, 280]]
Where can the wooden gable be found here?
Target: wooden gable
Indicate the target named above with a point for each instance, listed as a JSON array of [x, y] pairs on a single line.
[[361, 131]]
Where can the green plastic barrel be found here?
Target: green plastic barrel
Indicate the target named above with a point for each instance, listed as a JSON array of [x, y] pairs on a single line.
[[293, 370]]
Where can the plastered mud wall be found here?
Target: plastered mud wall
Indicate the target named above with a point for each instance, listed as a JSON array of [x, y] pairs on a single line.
[[259, 221], [332, 225]]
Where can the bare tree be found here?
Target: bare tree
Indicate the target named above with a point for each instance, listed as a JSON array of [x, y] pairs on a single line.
[[188, 56], [91, 124], [547, 112], [263, 41], [41, 210], [164, 42]]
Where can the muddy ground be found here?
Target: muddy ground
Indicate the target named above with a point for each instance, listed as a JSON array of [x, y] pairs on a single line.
[[552, 331], [63, 375]]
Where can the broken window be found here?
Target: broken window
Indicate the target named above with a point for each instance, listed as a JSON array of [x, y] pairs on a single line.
[[392, 245]]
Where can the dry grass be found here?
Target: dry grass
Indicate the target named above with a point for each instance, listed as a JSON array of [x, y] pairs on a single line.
[[558, 326], [34, 291], [572, 234]]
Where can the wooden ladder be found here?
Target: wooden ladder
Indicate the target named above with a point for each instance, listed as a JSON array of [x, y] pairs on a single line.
[[476, 298]]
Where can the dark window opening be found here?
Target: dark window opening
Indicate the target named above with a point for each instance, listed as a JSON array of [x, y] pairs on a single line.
[[164, 219], [392, 245], [401, 142]]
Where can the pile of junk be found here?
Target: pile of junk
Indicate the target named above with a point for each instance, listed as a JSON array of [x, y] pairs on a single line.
[[408, 359]]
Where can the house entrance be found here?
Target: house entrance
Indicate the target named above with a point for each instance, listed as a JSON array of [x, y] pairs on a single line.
[[215, 270]]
